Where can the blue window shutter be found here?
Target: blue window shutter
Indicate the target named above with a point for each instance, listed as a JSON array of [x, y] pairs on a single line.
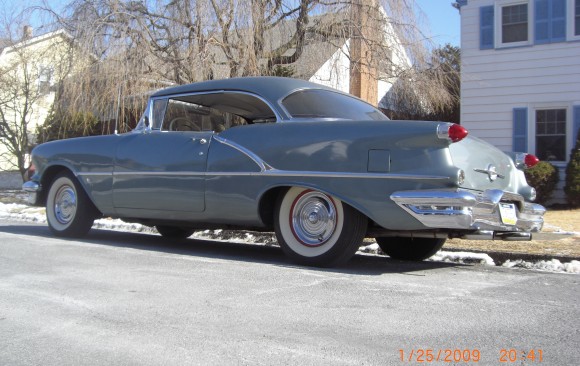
[[520, 130], [486, 27], [576, 124], [558, 25], [542, 21], [549, 21]]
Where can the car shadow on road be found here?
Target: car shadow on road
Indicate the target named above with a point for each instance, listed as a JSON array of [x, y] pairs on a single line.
[[360, 264]]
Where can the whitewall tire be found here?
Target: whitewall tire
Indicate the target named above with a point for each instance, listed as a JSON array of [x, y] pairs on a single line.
[[317, 229], [69, 211]]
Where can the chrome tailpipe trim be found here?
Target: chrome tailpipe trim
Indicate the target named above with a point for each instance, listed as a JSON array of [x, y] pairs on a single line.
[[497, 235]]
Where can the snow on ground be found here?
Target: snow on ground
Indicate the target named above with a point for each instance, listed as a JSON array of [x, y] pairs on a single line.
[[19, 212]]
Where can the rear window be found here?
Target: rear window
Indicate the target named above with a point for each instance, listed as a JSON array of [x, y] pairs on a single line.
[[327, 104]]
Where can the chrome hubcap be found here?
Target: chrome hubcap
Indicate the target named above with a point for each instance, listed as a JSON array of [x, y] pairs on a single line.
[[313, 218], [65, 204]]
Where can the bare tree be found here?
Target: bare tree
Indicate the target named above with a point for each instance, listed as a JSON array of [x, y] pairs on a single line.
[[142, 45]]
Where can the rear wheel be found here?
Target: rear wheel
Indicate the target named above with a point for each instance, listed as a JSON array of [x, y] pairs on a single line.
[[174, 232], [316, 229], [410, 249], [69, 211]]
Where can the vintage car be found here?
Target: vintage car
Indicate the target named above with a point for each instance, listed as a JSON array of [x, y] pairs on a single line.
[[319, 167]]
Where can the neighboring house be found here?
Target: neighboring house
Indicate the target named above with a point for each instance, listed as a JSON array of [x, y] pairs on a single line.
[[520, 75], [346, 68], [30, 70]]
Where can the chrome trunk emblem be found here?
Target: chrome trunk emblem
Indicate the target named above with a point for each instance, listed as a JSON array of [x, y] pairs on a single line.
[[491, 172]]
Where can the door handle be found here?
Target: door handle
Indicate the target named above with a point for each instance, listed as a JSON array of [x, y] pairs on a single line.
[[201, 141]]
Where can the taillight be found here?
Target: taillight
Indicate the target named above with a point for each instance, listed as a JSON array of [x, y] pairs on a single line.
[[531, 160], [525, 161], [451, 132]]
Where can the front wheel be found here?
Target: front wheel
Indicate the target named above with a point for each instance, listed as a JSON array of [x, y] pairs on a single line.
[[69, 211], [410, 249], [317, 229]]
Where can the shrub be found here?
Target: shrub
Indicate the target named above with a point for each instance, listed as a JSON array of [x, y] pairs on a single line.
[[543, 177], [572, 187]]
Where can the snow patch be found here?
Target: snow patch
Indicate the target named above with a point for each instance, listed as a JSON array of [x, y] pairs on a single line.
[[552, 265], [462, 257]]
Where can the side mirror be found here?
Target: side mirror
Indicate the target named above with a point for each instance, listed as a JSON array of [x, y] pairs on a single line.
[[146, 121]]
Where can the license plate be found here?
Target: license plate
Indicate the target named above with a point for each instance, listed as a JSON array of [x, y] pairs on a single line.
[[507, 212]]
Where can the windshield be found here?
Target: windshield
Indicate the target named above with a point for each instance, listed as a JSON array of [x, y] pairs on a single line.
[[318, 103]]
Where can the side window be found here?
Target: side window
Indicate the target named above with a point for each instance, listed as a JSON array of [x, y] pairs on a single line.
[[159, 106], [182, 115]]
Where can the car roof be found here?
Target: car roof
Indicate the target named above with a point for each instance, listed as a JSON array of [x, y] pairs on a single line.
[[269, 87]]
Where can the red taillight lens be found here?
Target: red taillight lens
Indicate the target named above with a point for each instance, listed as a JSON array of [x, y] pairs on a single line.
[[457, 133], [531, 160]]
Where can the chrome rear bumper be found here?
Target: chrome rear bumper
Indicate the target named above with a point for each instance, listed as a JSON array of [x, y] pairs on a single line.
[[467, 210]]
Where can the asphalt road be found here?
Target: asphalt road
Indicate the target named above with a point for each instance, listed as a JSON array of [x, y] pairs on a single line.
[[130, 299]]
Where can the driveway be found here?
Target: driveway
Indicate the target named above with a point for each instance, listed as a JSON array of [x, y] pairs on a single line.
[[138, 299]]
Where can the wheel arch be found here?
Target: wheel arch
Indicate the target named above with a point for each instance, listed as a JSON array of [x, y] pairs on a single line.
[[269, 198], [49, 175]]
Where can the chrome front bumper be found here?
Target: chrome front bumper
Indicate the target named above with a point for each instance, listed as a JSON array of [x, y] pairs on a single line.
[[469, 210], [33, 189]]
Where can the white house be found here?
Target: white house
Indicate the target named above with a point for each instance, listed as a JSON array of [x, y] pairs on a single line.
[[520, 74], [29, 71]]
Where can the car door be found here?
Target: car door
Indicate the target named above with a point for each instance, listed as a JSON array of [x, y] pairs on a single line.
[[161, 170]]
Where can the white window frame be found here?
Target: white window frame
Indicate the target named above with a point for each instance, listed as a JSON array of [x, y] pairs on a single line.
[[499, 5], [532, 127], [45, 79], [570, 9]]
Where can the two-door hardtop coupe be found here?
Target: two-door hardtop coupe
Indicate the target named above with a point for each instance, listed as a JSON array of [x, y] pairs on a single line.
[[319, 167]]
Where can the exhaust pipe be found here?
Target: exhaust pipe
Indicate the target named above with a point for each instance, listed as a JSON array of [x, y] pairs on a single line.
[[513, 236], [476, 235], [498, 235]]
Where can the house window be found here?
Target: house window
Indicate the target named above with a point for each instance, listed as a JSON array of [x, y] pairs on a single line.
[[514, 23], [551, 134], [44, 80]]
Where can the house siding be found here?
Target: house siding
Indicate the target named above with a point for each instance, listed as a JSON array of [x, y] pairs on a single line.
[[497, 80], [494, 81]]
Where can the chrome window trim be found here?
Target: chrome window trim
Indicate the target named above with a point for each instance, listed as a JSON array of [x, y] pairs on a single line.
[[221, 91]]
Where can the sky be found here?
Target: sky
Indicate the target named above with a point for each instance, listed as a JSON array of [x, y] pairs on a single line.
[[443, 21]]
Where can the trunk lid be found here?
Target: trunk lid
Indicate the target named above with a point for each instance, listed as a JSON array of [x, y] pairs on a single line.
[[485, 166]]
